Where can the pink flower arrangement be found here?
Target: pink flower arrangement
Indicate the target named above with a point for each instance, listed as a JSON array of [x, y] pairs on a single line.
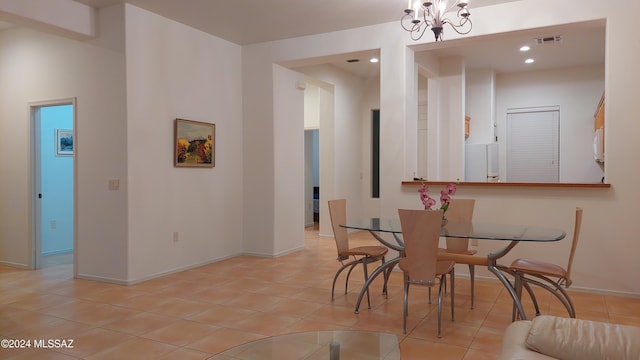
[[445, 196]]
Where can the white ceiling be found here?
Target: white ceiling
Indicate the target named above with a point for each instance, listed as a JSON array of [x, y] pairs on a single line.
[[252, 21], [580, 44]]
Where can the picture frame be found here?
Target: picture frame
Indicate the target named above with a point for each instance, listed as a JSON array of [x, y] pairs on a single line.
[[194, 144], [64, 142]]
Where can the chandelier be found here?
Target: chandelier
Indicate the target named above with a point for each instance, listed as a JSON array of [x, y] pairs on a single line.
[[420, 17]]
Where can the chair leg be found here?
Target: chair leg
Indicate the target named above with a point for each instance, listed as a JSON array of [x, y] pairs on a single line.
[[556, 290], [453, 275], [386, 279], [440, 295], [335, 278], [353, 265], [532, 295], [405, 306], [472, 276], [429, 294], [366, 277], [517, 284]]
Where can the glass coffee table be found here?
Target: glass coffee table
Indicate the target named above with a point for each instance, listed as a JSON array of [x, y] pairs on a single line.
[[317, 345]]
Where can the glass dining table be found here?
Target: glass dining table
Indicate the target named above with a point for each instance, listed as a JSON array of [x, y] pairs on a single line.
[[511, 234]]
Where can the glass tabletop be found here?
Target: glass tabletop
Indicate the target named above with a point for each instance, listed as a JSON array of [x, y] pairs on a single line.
[[473, 230], [318, 345]]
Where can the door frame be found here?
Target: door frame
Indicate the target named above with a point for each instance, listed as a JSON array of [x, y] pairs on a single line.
[[34, 168]]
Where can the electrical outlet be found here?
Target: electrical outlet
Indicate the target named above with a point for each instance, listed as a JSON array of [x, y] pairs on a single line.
[[176, 237]]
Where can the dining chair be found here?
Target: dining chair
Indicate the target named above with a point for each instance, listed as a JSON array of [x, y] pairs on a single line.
[[457, 249], [348, 256], [420, 264], [548, 276]]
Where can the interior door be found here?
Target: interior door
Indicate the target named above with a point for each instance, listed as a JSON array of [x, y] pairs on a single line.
[[533, 145]]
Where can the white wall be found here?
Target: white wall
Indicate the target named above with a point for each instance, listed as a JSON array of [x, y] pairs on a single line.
[[480, 102], [105, 236], [604, 232], [422, 131], [370, 101], [288, 114], [174, 71], [577, 92], [125, 132], [36, 66], [449, 122]]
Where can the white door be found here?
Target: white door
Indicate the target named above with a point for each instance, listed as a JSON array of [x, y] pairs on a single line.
[[533, 145]]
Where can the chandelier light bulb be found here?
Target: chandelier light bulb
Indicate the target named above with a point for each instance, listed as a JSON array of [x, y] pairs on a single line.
[[416, 11]]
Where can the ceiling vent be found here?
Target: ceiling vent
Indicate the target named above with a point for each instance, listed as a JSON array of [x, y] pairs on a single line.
[[549, 40], [353, 60]]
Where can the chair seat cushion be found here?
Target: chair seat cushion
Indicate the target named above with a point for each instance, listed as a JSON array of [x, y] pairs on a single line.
[[443, 267], [462, 258], [463, 252], [370, 251], [538, 267]]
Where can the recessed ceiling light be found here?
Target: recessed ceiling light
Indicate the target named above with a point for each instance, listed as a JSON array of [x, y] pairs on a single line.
[[529, 61], [374, 60], [525, 48]]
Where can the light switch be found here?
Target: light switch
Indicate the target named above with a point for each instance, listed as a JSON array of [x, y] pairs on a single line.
[[114, 184]]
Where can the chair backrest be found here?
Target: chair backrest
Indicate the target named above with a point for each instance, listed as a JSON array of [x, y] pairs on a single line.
[[574, 243], [421, 233], [460, 210], [338, 215]]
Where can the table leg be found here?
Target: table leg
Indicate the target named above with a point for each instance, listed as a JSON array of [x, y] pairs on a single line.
[[493, 267]]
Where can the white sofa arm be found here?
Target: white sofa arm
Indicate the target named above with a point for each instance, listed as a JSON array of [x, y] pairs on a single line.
[[513, 343], [550, 337], [575, 339]]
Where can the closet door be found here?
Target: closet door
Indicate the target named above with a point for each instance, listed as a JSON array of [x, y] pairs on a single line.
[[533, 145]]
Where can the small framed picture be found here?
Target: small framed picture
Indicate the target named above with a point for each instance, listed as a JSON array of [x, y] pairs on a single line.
[[194, 144], [64, 142]]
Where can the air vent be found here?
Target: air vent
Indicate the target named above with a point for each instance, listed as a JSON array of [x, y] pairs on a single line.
[[353, 60], [549, 40]]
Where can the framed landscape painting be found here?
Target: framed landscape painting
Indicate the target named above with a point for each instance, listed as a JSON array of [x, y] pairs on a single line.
[[64, 142], [194, 144]]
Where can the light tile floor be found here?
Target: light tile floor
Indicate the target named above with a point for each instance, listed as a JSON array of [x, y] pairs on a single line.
[[200, 312]]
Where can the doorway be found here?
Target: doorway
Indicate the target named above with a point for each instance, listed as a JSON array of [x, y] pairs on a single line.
[[53, 154], [312, 176]]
